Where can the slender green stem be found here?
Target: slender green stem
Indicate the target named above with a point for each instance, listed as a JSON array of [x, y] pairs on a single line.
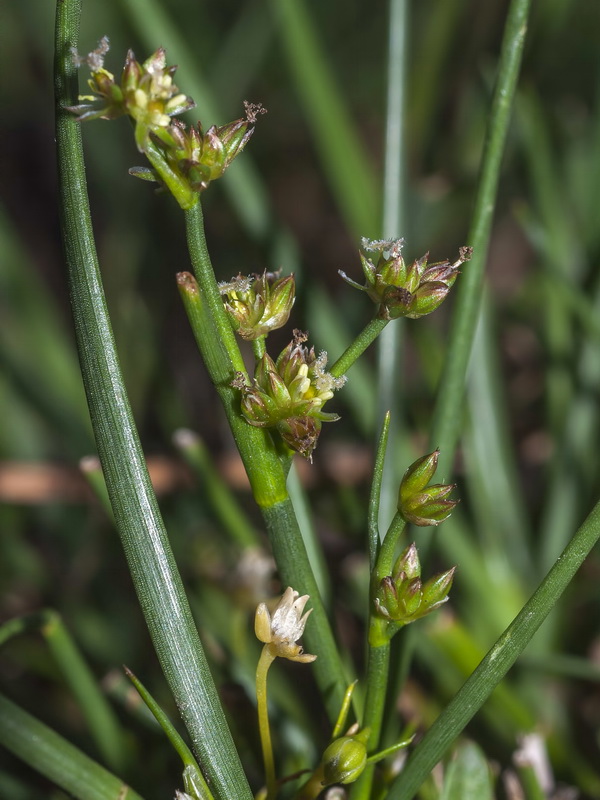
[[394, 225], [388, 751], [385, 561], [180, 747], [340, 723], [265, 470], [192, 772], [264, 662], [185, 196], [367, 336], [100, 717], [373, 516], [377, 685], [137, 517], [203, 269], [294, 567], [55, 758], [377, 682], [379, 657], [448, 416], [313, 786], [497, 662], [310, 537], [221, 354]]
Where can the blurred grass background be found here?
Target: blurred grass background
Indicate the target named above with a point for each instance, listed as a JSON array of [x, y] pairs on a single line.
[[304, 192]]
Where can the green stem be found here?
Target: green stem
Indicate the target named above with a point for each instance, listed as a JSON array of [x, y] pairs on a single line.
[[99, 715], [367, 336], [294, 567], [264, 662], [176, 186], [192, 773], [448, 416], [55, 758], [314, 551], [377, 681], [378, 659], [137, 516], [385, 560], [209, 322], [377, 685], [203, 269], [496, 663], [395, 223], [374, 498], [313, 786]]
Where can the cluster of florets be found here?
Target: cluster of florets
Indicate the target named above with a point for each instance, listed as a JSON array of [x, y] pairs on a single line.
[[402, 597], [289, 394], [185, 160], [198, 156], [402, 289], [145, 92], [258, 304]]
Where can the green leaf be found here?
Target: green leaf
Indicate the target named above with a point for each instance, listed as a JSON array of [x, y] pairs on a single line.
[[56, 759]]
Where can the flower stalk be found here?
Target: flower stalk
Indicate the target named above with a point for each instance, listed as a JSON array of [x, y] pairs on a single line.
[[266, 659], [280, 633]]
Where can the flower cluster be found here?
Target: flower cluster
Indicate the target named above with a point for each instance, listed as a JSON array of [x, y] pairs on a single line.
[[402, 598], [258, 304], [403, 289], [198, 157], [281, 630], [419, 503], [184, 160], [145, 92], [289, 394]]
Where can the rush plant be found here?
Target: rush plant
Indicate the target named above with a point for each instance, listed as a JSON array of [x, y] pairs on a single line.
[[275, 401]]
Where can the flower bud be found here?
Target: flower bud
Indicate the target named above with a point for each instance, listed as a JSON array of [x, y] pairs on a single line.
[[408, 563], [435, 591], [344, 760], [300, 434], [419, 503]]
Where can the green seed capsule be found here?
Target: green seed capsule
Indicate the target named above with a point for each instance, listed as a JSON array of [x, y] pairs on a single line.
[[344, 760]]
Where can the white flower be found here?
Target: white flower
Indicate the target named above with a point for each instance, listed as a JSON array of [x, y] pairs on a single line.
[[282, 630]]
